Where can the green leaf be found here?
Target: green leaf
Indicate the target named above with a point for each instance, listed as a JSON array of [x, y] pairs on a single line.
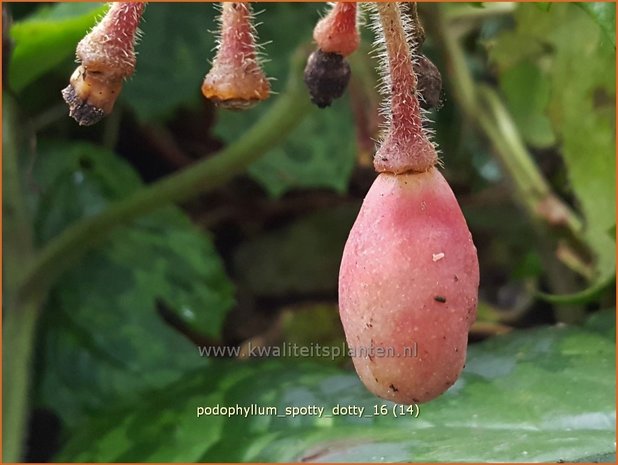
[[527, 95], [173, 59], [103, 336], [604, 13], [580, 71], [319, 153], [546, 394], [47, 38]]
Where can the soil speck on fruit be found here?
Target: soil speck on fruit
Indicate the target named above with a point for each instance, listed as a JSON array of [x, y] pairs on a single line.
[[393, 388], [440, 299]]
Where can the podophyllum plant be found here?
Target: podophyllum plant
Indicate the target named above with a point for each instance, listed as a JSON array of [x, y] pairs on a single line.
[[409, 273]]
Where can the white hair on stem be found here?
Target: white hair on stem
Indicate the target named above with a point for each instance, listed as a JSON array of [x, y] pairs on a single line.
[[397, 38]]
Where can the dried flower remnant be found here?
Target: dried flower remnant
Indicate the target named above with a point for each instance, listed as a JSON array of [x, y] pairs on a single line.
[[327, 73], [429, 83], [236, 80], [107, 57]]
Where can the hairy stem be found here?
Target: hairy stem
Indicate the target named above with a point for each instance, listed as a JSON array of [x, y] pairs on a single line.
[[406, 147]]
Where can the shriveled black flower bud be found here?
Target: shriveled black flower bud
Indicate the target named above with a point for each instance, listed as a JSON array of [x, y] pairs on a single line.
[[326, 76], [429, 82]]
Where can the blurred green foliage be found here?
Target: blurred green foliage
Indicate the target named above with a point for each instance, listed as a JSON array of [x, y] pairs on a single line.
[[568, 79], [47, 38], [536, 395], [117, 360]]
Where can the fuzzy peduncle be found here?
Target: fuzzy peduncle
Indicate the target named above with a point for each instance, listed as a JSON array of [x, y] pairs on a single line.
[[406, 146]]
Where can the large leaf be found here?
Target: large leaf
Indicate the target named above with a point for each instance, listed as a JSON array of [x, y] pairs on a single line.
[[47, 38], [527, 92], [103, 336], [319, 153], [579, 70], [546, 394]]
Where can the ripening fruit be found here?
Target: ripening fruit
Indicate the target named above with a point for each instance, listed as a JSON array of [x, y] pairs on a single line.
[[409, 280]]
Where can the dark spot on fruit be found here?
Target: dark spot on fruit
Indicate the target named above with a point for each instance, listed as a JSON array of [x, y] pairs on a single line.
[[370, 358], [440, 299], [393, 388], [455, 278]]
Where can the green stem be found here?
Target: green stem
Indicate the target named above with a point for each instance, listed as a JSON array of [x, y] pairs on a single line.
[[19, 316], [534, 189], [19, 329], [32, 285]]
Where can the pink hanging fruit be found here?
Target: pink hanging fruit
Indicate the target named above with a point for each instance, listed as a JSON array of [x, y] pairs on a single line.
[[408, 283]]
